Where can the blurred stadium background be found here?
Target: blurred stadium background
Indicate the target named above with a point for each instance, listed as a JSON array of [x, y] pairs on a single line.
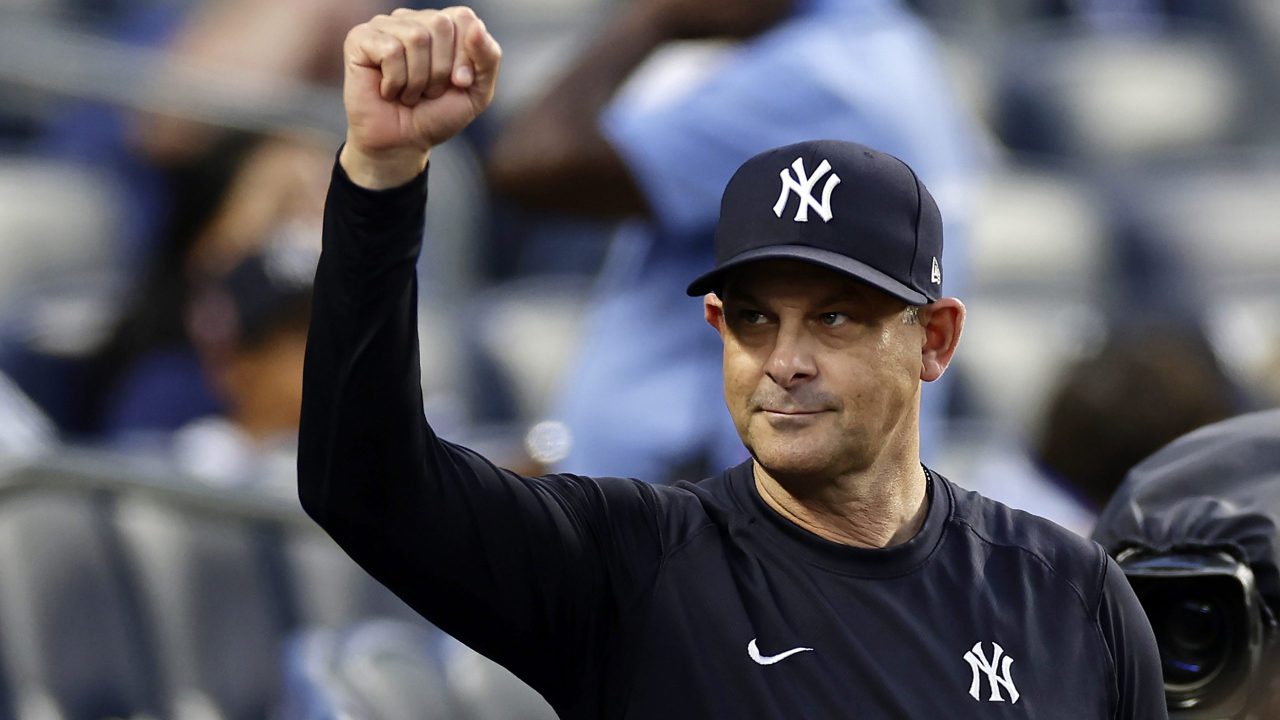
[[154, 562]]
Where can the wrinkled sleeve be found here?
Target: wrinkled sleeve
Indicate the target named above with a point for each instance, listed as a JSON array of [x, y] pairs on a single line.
[[533, 572]]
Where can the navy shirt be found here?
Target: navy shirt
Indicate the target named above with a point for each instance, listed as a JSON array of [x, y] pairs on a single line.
[[620, 599]]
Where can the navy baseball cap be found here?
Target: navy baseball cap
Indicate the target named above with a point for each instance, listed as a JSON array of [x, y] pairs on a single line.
[[268, 289], [837, 204]]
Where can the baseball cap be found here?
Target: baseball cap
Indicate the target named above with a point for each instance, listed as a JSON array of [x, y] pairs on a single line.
[[268, 288], [836, 204]]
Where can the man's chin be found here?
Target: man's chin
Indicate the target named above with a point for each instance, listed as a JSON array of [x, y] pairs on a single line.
[[790, 462]]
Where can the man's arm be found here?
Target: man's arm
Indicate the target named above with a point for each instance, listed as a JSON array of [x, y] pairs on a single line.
[[553, 155], [1128, 634], [532, 572]]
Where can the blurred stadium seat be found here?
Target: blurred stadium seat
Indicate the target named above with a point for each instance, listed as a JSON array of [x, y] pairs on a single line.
[[74, 637], [1037, 229], [39, 238], [529, 329], [377, 670], [1039, 259], [1217, 212], [131, 591], [490, 691], [1124, 97], [331, 590], [217, 618]]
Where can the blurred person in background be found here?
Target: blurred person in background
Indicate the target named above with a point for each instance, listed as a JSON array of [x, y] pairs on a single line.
[[1142, 388], [249, 327], [265, 46], [659, 158], [150, 153], [143, 313], [191, 76], [143, 375], [148, 377]]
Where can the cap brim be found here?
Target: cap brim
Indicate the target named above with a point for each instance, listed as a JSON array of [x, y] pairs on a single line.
[[710, 282]]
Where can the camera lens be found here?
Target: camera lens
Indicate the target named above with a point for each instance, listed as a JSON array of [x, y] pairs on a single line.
[[1194, 640], [1205, 612]]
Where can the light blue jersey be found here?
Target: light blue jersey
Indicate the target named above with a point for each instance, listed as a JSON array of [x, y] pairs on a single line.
[[646, 395]]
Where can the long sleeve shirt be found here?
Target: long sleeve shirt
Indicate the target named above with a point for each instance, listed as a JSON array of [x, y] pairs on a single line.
[[619, 599]]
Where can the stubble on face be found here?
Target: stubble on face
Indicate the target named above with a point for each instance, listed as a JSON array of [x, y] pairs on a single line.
[[852, 391]]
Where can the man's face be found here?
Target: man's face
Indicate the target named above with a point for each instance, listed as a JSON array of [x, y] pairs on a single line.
[[821, 372]]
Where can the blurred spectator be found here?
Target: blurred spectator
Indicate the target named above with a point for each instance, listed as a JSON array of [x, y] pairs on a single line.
[[1141, 389], [264, 46], [249, 328], [166, 170], [148, 376], [660, 152], [79, 390], [280, 182]]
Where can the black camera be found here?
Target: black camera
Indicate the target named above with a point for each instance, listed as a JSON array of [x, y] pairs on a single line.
[[1207, 617], [1196, 529]]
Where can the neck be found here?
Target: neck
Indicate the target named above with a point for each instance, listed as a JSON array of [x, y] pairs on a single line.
[[875, 508]]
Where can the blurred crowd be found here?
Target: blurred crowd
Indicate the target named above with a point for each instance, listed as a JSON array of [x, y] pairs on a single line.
[[1108, 170]]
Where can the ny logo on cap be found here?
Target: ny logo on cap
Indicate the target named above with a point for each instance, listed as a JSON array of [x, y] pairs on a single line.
[[802, 186]]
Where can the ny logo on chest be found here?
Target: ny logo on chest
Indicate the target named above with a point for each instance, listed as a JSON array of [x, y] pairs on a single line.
[[995, 670]]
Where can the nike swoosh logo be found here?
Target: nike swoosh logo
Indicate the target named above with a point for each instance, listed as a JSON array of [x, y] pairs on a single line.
[[754, 652]]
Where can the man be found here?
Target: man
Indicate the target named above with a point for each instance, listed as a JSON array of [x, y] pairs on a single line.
[[830, 576], [657, 156]]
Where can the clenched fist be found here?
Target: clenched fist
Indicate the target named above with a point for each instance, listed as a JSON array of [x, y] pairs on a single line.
[[413, 79]]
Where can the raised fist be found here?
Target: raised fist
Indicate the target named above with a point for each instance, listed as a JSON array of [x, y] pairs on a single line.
[[413, 79]]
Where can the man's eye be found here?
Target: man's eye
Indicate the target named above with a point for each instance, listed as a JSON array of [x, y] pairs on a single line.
[[833, 319], [751, 317]]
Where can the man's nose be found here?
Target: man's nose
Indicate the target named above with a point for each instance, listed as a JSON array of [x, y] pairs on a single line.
[[791, 361]]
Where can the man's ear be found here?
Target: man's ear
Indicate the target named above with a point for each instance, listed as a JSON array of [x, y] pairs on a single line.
[[713, 311], [942, 321]]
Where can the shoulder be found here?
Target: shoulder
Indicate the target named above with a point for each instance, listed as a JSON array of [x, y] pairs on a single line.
[[676, 513], [710, 503], [1065, 593], [1061, 554]]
